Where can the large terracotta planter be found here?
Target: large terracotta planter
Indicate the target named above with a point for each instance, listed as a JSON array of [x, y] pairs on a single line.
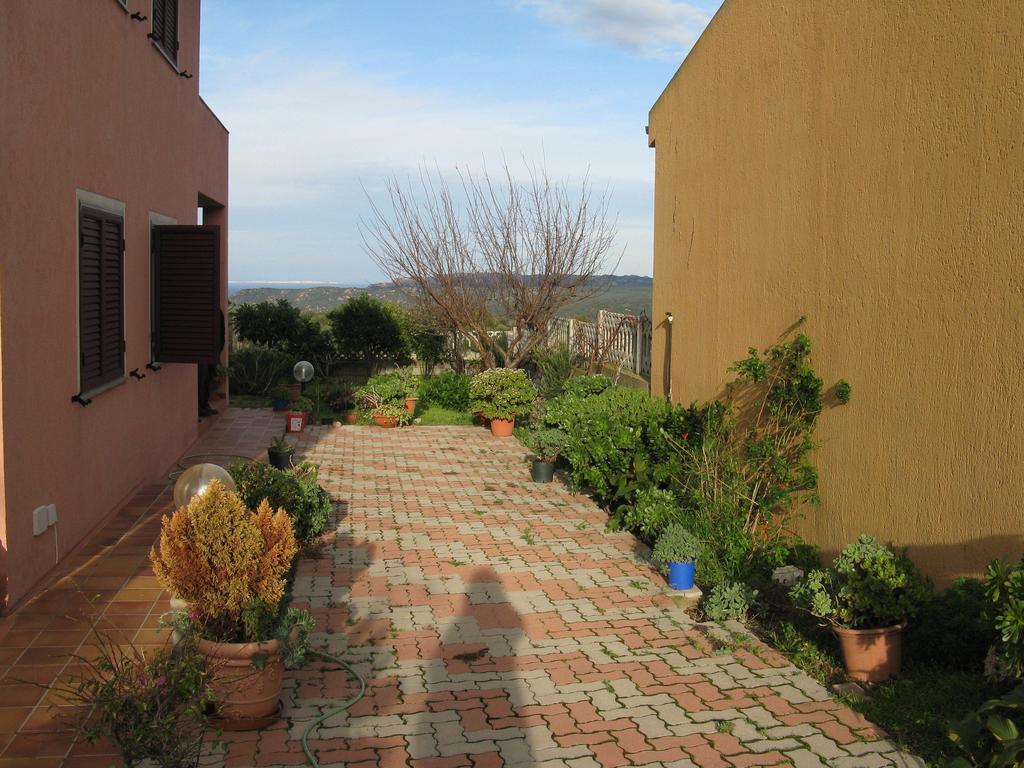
[[295, 391], [388, 422], [244, 691], [502, 427], [410, 404], [351, 417], [871, 655]]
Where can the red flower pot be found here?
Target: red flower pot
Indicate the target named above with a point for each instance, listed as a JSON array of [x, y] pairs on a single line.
[[502, 427]]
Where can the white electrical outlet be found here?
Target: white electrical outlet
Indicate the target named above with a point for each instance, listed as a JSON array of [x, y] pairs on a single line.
[[40, 520], [51, 514]]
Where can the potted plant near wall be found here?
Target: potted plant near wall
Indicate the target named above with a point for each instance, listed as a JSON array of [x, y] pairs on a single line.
[[867, 596], [546, 445], [280, 453], [390, 415], [229, 564], [677, 549], [500, 394]]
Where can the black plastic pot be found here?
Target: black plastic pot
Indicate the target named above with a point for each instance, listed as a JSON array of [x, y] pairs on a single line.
[[542, 471], [279, 459]]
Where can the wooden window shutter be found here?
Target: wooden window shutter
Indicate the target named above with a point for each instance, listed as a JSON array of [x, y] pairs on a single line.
[[186, 294], [100, 297], [165, 26]]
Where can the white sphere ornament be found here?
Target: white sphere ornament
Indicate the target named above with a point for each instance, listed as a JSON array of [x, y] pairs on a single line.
[[195, 481], [303, 371]]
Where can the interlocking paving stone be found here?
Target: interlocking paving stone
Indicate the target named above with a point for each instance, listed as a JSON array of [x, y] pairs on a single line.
[[500, 624]]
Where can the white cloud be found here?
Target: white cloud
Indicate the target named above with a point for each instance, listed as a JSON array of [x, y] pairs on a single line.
[[661, 29]]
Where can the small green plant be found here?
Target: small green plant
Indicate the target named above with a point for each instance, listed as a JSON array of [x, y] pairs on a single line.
[[546, 444], [501, 393], [153, 708], [281, 445], [729, 600], [653, 511], [528, 537], [843, 391], [868, 587], [280, 393], [725, 726], [676, 545], [992, 736]]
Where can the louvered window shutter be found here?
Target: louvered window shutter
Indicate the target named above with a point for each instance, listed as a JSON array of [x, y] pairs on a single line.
[[165, 26], [100, 297], [186, 294]]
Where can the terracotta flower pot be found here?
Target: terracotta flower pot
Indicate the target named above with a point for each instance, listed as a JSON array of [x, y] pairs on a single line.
[[351, 417], [245, 692], [295, 391], [502, 427], [388, 422], [410, 404], [871, 655], [480, 419]]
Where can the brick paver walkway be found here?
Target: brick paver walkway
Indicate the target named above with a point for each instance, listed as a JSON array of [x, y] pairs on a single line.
[[497, 623]]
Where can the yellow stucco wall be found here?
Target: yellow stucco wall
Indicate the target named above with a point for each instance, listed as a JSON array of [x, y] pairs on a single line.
[[861, 163]]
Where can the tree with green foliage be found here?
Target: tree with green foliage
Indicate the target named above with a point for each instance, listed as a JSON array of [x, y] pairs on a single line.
[[371, 331]]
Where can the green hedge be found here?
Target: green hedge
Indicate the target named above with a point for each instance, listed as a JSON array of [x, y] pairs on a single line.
[[295, 490]]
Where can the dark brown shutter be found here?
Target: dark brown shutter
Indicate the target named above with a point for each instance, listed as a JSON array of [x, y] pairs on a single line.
[[100, 297], [186, 294], [165, 26]]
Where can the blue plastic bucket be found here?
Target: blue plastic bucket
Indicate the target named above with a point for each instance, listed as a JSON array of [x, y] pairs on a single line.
[[680, 575]]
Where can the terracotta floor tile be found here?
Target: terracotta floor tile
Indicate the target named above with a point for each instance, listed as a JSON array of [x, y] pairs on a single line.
[[11, 718], [37, 745]]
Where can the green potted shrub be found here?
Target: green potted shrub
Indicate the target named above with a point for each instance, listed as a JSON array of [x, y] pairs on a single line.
[[500, 394], [295, 490], [390, 415], [280, 453], [677, 549], [546, 445], [867, 596]]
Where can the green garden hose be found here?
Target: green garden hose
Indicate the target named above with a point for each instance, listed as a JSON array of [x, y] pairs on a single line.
[[334, 710]]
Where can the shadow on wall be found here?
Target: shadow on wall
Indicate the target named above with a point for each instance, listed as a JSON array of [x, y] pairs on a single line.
[[3, 579]]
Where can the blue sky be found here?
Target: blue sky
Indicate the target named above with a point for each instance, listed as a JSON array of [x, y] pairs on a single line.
[[326, 98]]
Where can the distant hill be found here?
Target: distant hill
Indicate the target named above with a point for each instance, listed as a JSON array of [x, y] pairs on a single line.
[[625, 293]]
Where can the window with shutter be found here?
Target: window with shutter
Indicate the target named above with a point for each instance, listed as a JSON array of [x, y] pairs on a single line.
[[165, 27], [187, 323], [100, 297]]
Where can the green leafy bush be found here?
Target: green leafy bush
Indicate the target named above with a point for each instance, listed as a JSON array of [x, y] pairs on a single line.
[[729, 600], [676, 545], [574, 392], [654, 510], [447, 390], [501, 393], [1004, 588], [546, 444], [257, 370], [992, 736], [868, 587], [616, 445], [295, 490]]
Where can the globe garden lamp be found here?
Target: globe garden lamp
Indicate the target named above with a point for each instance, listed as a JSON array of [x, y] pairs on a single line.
[[303, 371], [195, 481]]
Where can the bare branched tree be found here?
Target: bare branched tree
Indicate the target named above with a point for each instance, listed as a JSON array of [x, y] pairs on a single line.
[[521, 250]]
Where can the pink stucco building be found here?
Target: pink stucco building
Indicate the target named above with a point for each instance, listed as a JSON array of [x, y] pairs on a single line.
[[107, 311]]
